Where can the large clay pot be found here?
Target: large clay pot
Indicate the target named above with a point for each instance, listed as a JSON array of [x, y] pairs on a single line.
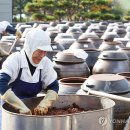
[[88, 47], [74, 31], [120, 31], [82, 44], [110, 45], [63, 28], [67, 65], [56, 48], [111, 62], [109, 83], [113, 84], [92, 58], [109, 36], [91, 37], [70, 85]]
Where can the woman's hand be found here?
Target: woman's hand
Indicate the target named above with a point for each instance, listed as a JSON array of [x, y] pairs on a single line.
[[47, 101], [40, 110], [14, 101]]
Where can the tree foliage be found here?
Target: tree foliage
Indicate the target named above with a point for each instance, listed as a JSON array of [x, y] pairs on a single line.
[[18, 7], [71, 9]]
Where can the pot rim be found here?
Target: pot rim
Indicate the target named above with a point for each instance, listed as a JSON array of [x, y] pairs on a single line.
[[65, 115], [123, 74], [72, 78]]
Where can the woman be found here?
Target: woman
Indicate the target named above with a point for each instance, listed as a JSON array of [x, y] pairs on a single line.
[[6, 27], [24, 74]]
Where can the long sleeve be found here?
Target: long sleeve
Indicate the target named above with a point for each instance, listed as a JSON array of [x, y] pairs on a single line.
[[54, 86], [49, 75], [4, 80]]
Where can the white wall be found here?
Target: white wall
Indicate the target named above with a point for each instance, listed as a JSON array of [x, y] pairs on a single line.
[[6, 10]]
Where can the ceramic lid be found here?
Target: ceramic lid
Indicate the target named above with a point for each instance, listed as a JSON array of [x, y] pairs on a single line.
[[113, 55], [119, 30], [110, 83], [82, 44], [85, 36], [109, 36]]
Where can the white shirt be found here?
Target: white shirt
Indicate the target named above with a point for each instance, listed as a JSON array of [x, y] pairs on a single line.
[[18, 60]]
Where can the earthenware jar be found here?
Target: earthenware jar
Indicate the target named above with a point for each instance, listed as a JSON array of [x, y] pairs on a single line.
[[67, 64], [111, 62]]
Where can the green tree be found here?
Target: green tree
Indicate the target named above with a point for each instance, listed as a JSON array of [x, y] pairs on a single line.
[[43, 7], [18, 8], [38, 17], [59, 14], [72, 10]]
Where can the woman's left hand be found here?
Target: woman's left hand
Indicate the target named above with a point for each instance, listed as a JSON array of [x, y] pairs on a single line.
[[46, 102]]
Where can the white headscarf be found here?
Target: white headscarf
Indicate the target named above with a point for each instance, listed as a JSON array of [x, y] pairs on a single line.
[[34, 40], [3, 26]]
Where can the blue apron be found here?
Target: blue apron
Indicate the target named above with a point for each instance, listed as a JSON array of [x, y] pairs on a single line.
[[24, 89]]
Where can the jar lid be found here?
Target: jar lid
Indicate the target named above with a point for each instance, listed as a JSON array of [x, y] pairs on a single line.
[[113, 55], [110, 83], [85, 36], [82, 44], [109, 36]]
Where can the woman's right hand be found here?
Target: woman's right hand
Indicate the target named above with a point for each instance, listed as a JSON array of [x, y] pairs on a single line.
[[14, 101]]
